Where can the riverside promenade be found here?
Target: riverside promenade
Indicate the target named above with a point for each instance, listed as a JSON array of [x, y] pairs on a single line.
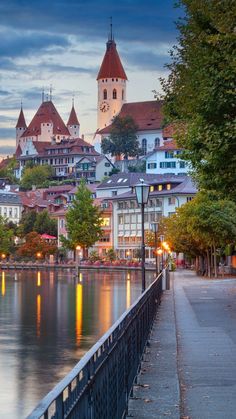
[[189, 369]]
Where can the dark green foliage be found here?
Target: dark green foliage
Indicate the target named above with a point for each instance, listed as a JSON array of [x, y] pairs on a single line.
[[123, 140], [200, 92]]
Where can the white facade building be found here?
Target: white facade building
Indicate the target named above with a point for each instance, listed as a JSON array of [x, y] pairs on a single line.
[[166, 159], [10, 206]]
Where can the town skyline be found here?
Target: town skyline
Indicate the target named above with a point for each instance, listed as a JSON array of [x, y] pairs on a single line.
[[65, 50]]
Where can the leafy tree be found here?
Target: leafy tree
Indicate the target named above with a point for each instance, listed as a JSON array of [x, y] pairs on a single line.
[[35, 244], [201, 226], [123, 140], [8, 171], [6, 238], [83, 221], [138, 168], [27, 223], [36, 176], [45, 224], [111, 255], [40, 222], [200, 92]]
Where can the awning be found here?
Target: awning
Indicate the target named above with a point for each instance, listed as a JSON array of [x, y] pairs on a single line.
[[120, 234], [127, 234], [133, 233]]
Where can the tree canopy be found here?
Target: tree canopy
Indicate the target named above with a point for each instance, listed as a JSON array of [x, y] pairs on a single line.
[[36, 176], [83, 220], [40, 222], [6, 237], [123, 140], [35, 244], [200, 91]]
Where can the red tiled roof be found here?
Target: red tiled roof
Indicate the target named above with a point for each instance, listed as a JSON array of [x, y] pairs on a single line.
[[46, 113], [21, 120], [40, 146], [73, 120], [111, 65], [18, 151], [147, 115], [168, 145]]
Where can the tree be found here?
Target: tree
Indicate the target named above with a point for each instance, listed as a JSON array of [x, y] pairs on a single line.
[[27, 223], [35, 244], [83, 220], [9, 170], [123, 140], [36, 176], [202, 226], [6, 238], [200, 92], [45, 224]]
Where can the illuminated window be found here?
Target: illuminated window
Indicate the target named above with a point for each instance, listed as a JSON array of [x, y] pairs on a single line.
[[159, 187], [151, 188], [105, 222], [168, 186]]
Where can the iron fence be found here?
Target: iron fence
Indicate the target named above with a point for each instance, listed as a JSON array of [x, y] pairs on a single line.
[[99, 386]]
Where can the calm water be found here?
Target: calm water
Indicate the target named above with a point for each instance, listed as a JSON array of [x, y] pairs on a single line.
[[48, 321]]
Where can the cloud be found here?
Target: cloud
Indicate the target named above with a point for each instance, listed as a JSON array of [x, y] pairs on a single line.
[[15, 43], [7, 133]]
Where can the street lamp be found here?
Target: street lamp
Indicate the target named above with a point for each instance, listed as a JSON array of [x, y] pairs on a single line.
[[77, 259], [142, 193], [154, 227]]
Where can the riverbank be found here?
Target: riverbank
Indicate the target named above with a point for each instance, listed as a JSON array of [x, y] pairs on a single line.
[[47, 266]]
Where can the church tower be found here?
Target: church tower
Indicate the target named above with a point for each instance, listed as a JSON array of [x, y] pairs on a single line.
[[73, 124], [111, 85], [20, 126]]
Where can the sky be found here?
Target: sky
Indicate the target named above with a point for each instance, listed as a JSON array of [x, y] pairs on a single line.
[[62, 43]]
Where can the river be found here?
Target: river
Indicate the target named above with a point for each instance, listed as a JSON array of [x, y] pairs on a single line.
[[48, 320]]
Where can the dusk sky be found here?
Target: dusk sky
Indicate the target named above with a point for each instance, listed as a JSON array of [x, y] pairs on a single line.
[[63, 42]]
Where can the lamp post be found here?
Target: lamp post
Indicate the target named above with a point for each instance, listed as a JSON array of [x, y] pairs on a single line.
[[77, 259], [142, 193], [154, 227]]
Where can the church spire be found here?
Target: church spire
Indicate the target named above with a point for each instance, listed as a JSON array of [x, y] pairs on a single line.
[[73, 124], [21, 119]]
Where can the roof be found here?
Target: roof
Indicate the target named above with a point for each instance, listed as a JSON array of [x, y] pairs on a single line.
[[48, 237], [111, 64], [40, 145], [46, 113], [73, 120], [9, 198], [18, 151], [168, 145], [21, 120], [127, 180], [147, 115], [5, 162]]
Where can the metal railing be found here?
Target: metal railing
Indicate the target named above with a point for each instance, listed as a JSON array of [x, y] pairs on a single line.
[[99, 386]]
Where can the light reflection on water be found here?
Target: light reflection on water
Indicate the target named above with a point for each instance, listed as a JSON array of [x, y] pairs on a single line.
[[48, 320]]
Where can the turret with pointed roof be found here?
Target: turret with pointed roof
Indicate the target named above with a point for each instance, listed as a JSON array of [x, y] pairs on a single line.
[[20, 126], [45, 125], [111, 84], [73, 124]]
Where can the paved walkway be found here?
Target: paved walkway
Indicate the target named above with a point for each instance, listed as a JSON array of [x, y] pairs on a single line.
[[189, 370]]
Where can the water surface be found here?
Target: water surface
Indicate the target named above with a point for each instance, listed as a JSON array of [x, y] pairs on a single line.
[[48, 320]]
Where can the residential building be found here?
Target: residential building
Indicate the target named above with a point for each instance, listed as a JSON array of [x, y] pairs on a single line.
[[166, 159], [66, 157], [10, 206]]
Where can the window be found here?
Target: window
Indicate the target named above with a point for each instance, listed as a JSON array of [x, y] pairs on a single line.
[[5, 211], [132, 204], [120, 205], [113, 193], [157, 142], [168, 186], [105, 94], [10, 212], [107, 164], [144, 146], [152, 165], [120, 219], [168, 164], [171, 201], [146, 218], [159, 187], [189, 198], [182, 164], [114, 94], [151, 188], [62, 223], [123, 94], [105, 222], [133, 218], [169, 154], [127, 219], [158, 202]]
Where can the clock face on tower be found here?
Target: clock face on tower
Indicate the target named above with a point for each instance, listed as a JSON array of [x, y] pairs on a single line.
[[104, 106]]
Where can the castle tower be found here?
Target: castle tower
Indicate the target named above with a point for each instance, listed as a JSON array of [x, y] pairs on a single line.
[[111, 85], [20, 126], [73, 124]]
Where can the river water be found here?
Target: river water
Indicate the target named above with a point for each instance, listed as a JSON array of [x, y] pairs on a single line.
[[48, 320]]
